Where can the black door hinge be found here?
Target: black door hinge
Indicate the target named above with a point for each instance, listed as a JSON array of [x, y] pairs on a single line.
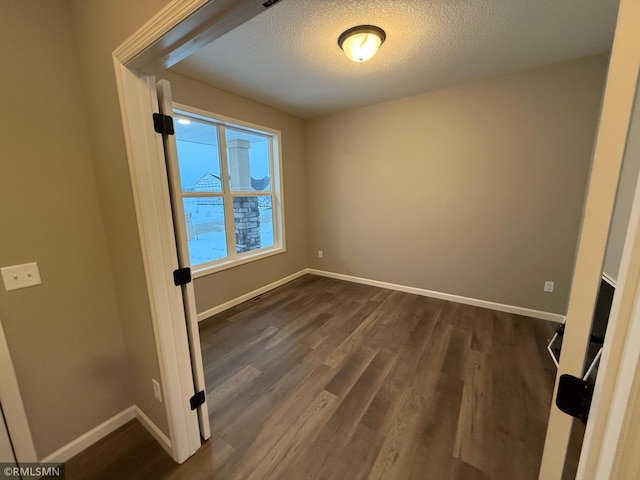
[[197, 400], [163, 124], [182, 276], [574, 397]]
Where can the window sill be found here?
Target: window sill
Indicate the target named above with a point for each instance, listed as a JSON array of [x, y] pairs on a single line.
[[203, 271]]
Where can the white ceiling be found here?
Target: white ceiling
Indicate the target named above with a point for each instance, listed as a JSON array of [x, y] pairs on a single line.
[[288, 58]]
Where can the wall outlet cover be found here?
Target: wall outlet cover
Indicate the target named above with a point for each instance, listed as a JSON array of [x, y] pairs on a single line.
[[20, 276]]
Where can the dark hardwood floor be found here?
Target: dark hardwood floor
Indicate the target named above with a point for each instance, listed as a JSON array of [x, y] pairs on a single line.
[[324, 379]]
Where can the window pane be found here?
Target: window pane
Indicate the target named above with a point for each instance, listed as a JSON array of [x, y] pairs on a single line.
[[205, 229], [253, 223], [248, 159], [198, 158]]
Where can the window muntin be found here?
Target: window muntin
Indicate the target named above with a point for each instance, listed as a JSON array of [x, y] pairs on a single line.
[[229, 176]]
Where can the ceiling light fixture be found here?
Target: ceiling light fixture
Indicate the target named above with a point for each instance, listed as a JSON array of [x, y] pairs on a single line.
[[362, 42]]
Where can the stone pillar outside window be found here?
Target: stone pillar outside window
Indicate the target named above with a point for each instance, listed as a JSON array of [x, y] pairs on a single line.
[[246, 213]]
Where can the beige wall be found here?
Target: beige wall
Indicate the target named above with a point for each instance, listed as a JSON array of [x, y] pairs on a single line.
[[215, 289], [474, 191], [99, 28], [64, 336]]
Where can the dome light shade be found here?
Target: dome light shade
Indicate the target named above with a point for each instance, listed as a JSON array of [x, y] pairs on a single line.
[[362, 42]]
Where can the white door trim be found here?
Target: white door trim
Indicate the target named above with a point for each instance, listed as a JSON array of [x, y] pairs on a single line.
[[621, 353], [153, 212], [611, 140], [15, 415], [175, 32]]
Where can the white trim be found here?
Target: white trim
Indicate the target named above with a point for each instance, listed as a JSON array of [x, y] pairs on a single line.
[[175, 32], [149, 182], [248, 296], [182, 28], [609, 279], [553, 355], [84, 441], [163, 23], [203, 271], [501, 307], [153, 429], [604, 436], [227, 202], [621, 406], [13, 408], [224, 120], [593, 365], [107, 427]]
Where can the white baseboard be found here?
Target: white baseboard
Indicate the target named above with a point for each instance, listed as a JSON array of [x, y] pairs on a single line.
[[92, 436], [84, 441], [248, 296], [153, 429], [528, 312]]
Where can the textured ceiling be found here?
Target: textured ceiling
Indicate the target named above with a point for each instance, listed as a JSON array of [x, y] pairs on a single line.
[[288, 58]]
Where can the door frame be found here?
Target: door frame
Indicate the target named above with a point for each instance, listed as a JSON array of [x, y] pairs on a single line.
[[175, 32], [614, 397], [620, 366], [184, 26], [13, 407], [609, 150]]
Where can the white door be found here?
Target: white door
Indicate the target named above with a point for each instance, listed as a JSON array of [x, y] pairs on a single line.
[[171, 154]]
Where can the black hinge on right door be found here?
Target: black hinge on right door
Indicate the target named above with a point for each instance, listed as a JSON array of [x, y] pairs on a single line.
[[182, 276], [574, 397], [163, 124], [197, 400]]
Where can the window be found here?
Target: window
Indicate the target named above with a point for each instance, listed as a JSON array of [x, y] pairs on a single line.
[[230, 187]]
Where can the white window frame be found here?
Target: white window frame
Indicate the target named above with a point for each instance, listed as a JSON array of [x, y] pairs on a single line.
[[234, 259]]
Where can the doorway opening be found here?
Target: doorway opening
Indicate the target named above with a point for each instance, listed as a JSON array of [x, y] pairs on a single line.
[[137, 92]]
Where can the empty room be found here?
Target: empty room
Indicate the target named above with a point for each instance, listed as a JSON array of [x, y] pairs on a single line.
[[320, 239]]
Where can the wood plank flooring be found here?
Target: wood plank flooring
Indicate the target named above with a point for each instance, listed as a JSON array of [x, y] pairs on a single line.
[[324, 379]]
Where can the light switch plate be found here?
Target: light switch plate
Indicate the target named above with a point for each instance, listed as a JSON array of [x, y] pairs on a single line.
[[156, 389], [20, 276]]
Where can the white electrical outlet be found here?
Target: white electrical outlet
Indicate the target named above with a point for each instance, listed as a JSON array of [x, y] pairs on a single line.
[[21, 276], [320, 253], [156, 390], [548, 286]]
